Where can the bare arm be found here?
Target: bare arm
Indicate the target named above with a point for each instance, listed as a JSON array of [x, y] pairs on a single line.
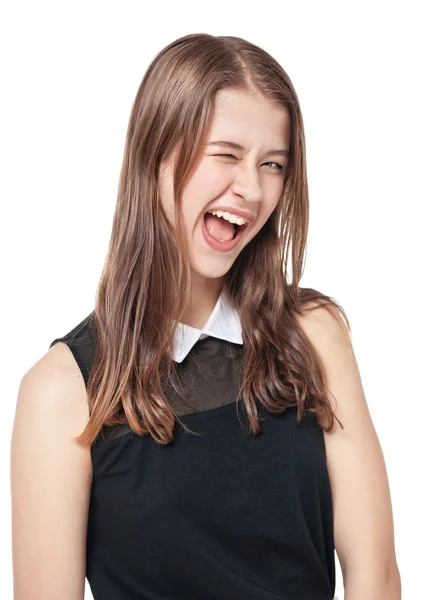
[[363, 519], [50, 480]]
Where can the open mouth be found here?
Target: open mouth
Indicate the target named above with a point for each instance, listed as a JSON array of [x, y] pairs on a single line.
[[222, 229], [220, 234]]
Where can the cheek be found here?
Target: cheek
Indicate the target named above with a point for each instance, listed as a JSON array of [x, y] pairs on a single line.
[[266, 210], [207, 183]]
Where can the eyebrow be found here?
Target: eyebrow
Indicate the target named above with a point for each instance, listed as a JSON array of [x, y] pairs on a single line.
[[240, 148]]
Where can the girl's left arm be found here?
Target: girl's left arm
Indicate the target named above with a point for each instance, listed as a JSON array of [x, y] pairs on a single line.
[[363, 517]]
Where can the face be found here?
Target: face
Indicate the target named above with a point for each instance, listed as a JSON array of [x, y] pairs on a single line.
[[248, 180]]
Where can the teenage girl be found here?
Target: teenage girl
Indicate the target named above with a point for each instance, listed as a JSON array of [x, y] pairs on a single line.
[[203, 432]]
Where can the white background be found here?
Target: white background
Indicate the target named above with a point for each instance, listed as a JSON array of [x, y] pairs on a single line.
[[70, 72]]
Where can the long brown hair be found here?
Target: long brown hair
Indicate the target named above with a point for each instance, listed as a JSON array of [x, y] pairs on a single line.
[[145, 281]]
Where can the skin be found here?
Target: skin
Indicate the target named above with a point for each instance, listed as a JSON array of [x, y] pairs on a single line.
[[248, 180]]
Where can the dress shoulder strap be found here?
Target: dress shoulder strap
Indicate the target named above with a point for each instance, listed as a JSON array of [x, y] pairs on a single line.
[[82, 341]]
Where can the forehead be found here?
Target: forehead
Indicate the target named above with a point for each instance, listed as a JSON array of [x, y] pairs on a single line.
[[249, 118]]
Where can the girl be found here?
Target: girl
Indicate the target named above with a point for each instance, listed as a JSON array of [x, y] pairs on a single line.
[[199, 454]]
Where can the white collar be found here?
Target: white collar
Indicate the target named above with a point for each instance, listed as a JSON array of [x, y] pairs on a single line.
[[223, 323]]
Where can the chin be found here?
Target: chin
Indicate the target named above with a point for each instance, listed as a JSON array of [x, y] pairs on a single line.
[[211, 269]]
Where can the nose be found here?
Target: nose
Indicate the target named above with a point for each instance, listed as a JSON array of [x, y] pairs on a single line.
[[246, 184]]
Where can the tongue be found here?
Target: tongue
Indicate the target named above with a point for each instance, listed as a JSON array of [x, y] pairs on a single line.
[[219, 228]]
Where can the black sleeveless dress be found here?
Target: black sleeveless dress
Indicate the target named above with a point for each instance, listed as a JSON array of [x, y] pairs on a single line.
[[215, 516]]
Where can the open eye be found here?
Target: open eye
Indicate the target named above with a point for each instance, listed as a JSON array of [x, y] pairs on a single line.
[[277, 165]]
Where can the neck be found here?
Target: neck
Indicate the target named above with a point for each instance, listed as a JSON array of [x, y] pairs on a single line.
[[205, 293]]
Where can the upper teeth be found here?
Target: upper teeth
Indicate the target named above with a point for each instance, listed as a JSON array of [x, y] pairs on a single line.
[[231, 217]]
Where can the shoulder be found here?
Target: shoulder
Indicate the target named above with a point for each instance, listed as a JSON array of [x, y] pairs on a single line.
[[51, 477], [52, 400], [325, 327], [355, 461], [55, 381], [331, 339]]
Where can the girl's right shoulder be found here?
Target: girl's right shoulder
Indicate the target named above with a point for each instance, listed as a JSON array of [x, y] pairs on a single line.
[[51, 477]]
